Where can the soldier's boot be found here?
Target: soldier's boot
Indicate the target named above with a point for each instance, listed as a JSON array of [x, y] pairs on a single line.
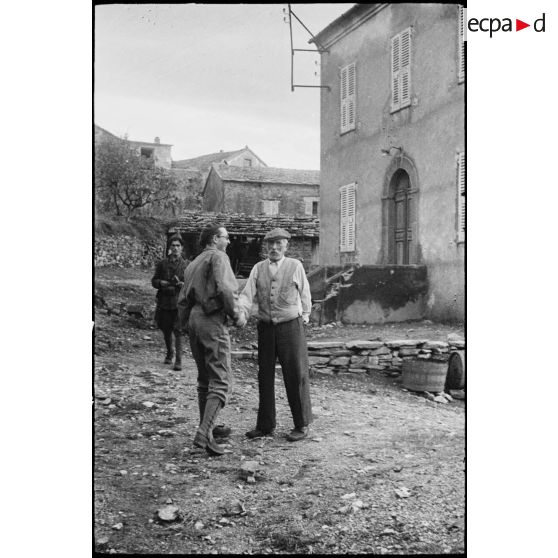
[[168, 342], [178, 356], [204, 435], [219, 431]]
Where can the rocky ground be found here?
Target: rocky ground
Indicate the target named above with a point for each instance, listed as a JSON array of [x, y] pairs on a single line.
[[381, 472]]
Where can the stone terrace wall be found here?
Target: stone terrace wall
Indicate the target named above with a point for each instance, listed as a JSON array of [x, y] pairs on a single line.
[[127, 251], [369, 357]]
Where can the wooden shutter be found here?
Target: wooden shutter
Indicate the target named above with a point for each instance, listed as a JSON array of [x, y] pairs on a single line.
[[401, 70], [405, 71], [347, 202], [351, 214], [310, 205], [351, 96], [461, 70], [461, 197], [395, 64], [348, 97], [343, 218]]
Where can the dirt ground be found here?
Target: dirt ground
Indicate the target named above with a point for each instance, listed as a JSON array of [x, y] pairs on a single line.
[[382, 470]]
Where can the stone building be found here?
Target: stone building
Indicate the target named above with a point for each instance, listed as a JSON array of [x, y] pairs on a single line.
[[262, 191], [246, 234], [159, 152], [195, 170], [392, 164]]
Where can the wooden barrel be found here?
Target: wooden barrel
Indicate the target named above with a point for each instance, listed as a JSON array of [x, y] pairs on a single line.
[[424, 375], [456, 370]]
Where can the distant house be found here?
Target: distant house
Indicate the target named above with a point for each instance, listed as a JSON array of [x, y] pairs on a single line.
[[262, 191], [246, 234], [159, 152], [392, 185], [195, 170], [244, 157]]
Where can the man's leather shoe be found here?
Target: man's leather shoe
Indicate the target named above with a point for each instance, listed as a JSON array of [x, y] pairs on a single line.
[[257, 433], [297, 434]]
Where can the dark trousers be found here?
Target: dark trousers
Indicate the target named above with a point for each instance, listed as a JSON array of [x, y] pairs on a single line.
[[286, 342], [211, 349]]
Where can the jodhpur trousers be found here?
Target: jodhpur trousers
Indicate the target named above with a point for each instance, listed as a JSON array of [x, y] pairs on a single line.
[[211, 349], [287, 342]]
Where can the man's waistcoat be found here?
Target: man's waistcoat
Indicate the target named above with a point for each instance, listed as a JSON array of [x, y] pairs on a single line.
[[278, 298]]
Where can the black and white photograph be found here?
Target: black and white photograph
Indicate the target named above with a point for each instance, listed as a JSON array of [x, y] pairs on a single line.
[[279, 280], [259, 246]]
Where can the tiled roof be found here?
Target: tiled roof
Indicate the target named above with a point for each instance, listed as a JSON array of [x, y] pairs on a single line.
[[203, 162], [267, 174], [252, 225]]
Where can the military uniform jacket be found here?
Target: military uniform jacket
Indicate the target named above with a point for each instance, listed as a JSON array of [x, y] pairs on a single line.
[[210, 282], [167, 270]]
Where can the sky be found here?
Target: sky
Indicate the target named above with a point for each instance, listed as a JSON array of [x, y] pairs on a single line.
[[206, 77]]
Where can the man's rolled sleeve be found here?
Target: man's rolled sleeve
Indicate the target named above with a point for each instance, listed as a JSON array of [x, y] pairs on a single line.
[[303, 286]]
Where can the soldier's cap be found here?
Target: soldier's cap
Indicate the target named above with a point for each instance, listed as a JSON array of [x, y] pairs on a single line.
[[277, 234]]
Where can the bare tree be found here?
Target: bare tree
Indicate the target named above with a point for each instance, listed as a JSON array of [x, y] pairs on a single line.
[[126, 182]]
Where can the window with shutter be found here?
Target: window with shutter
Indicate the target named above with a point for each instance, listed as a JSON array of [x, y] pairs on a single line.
[[347, 203], [348, 98], [311, 205], [270, 207], [461, 46], [461, 197], [401, 70]]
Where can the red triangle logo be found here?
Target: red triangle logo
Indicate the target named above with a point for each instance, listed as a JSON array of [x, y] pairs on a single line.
[[519, 25]]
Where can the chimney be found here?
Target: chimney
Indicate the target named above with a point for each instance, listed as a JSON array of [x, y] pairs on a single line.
[[157, 140], [220, 151]]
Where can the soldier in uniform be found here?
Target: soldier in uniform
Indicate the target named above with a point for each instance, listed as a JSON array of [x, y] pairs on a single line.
[[168, 279], [208, 297]]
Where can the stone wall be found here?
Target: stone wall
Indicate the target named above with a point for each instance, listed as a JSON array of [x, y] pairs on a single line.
[[127, 251], [303, 249], [246, 197], [370, 357]]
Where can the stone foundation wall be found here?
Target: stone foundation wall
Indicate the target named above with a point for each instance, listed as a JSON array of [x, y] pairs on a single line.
[[127, 251]]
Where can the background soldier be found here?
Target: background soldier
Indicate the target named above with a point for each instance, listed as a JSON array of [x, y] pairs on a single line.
[[168, 280]]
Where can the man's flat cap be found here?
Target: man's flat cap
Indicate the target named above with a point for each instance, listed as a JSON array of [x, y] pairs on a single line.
[[277, 234]]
